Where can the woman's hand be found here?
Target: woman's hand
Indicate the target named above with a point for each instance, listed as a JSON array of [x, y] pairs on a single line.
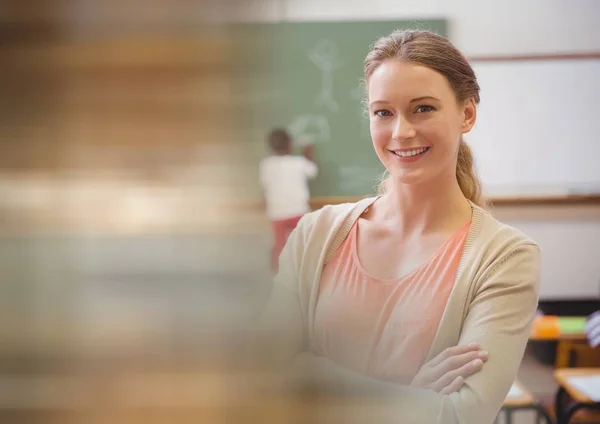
[[446, 373]]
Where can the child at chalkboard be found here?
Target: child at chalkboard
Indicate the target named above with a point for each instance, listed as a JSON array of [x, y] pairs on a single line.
[[284, 179]]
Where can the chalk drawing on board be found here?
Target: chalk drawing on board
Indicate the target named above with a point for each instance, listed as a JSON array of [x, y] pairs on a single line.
[[325, 56], [308, 129]]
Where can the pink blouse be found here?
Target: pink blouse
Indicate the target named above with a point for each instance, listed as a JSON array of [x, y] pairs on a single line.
[[383, 328]]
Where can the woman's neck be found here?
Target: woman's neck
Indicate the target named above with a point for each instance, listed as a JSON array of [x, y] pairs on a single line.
[[413, 209]]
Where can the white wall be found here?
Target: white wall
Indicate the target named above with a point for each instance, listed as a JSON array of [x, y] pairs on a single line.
[[571, 246], [477, 27], [569, 237]]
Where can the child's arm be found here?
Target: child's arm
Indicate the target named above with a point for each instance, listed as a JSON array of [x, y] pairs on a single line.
[[309, 152], [311, 166]]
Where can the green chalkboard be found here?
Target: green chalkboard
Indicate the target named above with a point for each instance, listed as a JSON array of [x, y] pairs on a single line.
[[307, 77]]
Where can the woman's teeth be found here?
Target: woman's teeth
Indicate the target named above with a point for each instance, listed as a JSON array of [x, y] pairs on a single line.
[[409, 153]]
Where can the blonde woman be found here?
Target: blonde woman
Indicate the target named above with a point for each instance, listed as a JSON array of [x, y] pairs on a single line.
[[420, 286]]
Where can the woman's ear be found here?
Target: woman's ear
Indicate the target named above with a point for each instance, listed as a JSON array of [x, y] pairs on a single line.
[[469, 115]]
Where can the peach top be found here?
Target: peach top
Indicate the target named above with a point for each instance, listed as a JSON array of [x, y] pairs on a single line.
[[383, 328]]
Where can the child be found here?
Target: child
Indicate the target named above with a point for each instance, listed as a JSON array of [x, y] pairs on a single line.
[[284, 179]]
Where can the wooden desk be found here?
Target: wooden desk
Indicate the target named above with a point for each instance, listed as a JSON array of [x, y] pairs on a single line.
[[566, 341], [552, 327], [524, 400], [560, 337], [578, 400]]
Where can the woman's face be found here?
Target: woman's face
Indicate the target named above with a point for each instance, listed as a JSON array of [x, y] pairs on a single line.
[[416, 122]]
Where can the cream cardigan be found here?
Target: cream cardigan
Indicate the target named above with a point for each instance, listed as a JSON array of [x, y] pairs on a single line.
[[493, 303]]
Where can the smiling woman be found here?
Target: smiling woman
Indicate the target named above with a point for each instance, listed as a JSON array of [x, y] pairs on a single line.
[[425, 92], [419, 287]]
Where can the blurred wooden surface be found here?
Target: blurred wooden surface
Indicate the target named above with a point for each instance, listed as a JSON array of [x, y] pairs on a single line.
[[562, 377], [116, 116]]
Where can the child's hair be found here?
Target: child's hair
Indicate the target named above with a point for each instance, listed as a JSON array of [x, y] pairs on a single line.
[[437, 53], [279, 141]]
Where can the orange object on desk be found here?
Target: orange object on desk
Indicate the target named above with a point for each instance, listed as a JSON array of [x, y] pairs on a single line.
[[545, 327]]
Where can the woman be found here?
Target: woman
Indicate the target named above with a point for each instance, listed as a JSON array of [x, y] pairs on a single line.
[[419, 286]]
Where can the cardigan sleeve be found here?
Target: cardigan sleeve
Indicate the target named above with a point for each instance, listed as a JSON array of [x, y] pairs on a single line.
[[499, 318]]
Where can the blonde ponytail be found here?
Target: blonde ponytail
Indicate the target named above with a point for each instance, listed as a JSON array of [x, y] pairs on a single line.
[[468, 180]]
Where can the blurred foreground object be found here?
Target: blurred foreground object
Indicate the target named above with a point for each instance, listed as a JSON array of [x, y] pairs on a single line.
[[125, 281]]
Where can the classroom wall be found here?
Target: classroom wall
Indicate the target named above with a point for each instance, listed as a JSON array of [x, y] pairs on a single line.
[[569, 236], [477, 27]]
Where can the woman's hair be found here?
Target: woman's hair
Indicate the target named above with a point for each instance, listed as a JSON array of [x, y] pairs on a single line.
[[437, 53]]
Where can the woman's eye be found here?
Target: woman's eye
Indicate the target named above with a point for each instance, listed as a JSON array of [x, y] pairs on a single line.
[[382, 113], [424, 108]]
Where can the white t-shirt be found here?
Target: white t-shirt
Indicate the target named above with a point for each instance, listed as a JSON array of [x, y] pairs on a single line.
[[284, 180]]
